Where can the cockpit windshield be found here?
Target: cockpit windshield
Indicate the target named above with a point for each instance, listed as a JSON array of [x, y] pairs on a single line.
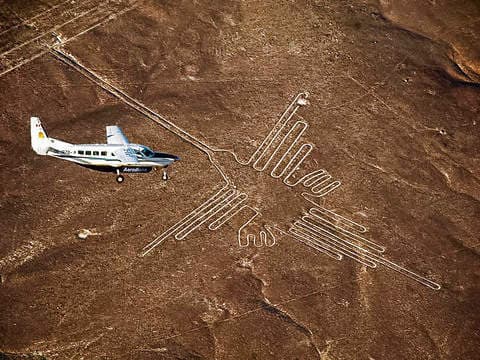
[[147, 152], [144, 151]]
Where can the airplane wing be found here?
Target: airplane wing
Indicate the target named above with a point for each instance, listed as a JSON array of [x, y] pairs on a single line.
[[116, 136], [126, 156]]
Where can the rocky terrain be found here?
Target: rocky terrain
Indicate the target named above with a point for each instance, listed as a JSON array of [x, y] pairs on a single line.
[[392, 113]]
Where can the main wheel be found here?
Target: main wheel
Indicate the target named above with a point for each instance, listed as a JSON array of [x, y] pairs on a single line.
[[120, 179]]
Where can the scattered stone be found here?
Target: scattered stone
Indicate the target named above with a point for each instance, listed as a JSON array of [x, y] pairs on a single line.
[[84, 233], [245, 263], [17, 356]]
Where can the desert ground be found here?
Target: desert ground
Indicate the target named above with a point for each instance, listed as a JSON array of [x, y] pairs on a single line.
[[327, 201]]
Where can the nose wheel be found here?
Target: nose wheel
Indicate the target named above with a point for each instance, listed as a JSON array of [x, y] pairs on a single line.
[[164, 175]]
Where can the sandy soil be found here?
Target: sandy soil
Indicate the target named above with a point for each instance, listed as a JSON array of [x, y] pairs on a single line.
[[392, 113]]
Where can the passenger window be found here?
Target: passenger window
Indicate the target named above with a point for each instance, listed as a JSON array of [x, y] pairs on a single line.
[[88, 152], [113, 154], [104, 153], [80, 152], [95, 153]]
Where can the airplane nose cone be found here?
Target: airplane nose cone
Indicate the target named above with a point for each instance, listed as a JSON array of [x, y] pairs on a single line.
[[167, 156]]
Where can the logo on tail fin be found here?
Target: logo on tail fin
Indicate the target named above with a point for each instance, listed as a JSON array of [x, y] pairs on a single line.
[[39, 137]]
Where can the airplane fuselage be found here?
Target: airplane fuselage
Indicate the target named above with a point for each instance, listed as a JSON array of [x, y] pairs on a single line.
[[117, 155], [102, 156]]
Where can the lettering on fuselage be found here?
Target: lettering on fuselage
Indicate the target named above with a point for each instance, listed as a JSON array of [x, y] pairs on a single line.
[[136, 169]]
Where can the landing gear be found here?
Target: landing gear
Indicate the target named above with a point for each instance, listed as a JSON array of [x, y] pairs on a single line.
[[165, 175], [120, 178]]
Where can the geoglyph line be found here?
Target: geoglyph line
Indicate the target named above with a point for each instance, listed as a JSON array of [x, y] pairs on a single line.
[[218, 197], [316, 216], [318, 246], [326, 243], [218, 209], [319, 182], [337, 219], [199, 215], [235, 207], [317, 234], [29, 20], [213, 209], [52, 29], [321, 229], [212, 205], [127, 99], [42, 44], [316, 180], [333, 242], [262, 239]]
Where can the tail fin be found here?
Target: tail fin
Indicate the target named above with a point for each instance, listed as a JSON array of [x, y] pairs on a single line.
[[40, 143]]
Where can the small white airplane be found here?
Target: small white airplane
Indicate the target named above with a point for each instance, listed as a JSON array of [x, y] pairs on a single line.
[[117, 155]]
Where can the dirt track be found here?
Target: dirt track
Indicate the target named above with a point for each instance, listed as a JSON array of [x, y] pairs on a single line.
[[391, 114]]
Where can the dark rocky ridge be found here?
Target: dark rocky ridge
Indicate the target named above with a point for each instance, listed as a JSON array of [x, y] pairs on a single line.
[[456, 24]]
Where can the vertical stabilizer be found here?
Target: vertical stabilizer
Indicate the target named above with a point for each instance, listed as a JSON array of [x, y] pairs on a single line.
[[40, 143]]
